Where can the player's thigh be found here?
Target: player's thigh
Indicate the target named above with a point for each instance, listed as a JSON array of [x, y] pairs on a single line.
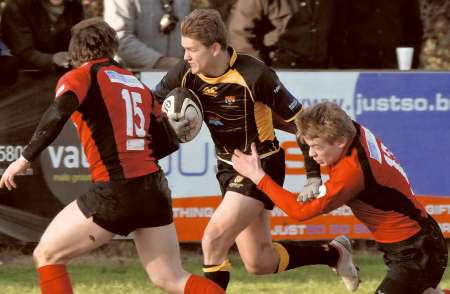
[[233, 215], [159, 251], [255, 241], [70, 234]]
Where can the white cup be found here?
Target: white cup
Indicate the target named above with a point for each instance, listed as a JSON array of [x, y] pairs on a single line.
[[404, 57]]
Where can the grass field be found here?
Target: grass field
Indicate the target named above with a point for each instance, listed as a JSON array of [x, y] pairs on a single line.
[[101, 273]]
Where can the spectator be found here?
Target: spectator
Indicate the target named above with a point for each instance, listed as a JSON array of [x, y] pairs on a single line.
[[366, 33], [224, 7], [285, 33], [38, 31], [148, 31], [8, 71]]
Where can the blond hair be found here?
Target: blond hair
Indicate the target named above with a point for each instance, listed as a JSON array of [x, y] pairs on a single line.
[[205, 26], [92, 39], [326, 121]]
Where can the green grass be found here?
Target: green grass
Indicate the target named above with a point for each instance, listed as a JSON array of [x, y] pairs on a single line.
[[109, 275]]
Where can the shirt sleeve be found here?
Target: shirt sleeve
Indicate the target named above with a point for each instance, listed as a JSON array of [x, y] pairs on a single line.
[[51, 124], [343, 185], [270, 91], [175, 77], [75, 81]]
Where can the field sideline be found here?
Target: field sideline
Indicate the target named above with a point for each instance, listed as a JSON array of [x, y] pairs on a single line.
[[110, 273]]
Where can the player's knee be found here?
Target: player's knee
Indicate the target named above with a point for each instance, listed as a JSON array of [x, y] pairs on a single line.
[[163, 282], [43, 255], [262, 262], [212, 241], [258, 268]]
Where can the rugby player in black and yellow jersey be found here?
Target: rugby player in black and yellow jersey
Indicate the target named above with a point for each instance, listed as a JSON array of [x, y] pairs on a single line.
[[240, 96]]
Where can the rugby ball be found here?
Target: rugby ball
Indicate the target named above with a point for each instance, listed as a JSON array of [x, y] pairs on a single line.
[[186, 103]]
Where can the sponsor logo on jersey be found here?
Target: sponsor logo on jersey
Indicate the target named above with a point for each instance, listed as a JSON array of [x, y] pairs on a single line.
[[210, 91], [215, 121], [237, 182], [230, 99], [293, 104], [374, 150], [127, 80]]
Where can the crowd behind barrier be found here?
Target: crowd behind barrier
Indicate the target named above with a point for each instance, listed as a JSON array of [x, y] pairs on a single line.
[[414, 104]]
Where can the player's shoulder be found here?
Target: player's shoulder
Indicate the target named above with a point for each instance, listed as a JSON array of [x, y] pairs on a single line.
[[76, 80], [250, 67]]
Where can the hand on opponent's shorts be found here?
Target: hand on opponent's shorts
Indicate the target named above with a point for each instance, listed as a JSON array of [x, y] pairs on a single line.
[[310, 189]]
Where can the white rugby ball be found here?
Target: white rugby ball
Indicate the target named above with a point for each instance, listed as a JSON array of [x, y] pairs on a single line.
[[186, 103]]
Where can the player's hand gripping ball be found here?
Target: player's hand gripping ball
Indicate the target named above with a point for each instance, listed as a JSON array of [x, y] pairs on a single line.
[[185, 113]]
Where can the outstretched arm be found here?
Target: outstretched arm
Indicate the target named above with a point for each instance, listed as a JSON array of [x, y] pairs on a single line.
[[48, 129], [345, 185]]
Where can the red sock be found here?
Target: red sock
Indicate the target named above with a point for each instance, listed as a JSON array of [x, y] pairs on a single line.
[[54, 279], [201, 285]]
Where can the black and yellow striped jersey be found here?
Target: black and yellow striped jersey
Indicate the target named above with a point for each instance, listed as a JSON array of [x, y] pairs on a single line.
[[237, 105]]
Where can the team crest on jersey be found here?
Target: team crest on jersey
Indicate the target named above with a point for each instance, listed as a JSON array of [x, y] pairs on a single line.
[[230, 99], [215, 121], [210, 91]]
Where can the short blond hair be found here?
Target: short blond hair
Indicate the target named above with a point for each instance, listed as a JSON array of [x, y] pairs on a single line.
[[92, 39], [205, 26], [326, 121]]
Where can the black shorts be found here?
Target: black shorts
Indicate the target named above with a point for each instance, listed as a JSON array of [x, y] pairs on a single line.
[[231, 180], [126, 205], [415, 264]]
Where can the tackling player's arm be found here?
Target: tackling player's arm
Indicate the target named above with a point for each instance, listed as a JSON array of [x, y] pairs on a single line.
[[346, 182], [48, 129]]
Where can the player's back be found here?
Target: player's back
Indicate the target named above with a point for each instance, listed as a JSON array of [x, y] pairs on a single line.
[[387, 204], [113, 119]]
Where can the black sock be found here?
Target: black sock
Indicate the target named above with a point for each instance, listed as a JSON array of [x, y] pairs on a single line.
[[300, 255], [221, 278]]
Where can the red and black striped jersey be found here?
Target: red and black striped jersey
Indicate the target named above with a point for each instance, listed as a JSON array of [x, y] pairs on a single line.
[[371, 182], [113, 119]]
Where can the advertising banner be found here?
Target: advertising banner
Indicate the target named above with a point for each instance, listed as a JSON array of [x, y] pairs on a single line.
[[409, 111]]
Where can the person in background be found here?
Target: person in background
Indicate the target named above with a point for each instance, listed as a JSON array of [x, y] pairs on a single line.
[[111, 110], [366, 33], [148, 31], [365, 176], [284, 33], [38, 31], [224, 7], [9, 68]]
